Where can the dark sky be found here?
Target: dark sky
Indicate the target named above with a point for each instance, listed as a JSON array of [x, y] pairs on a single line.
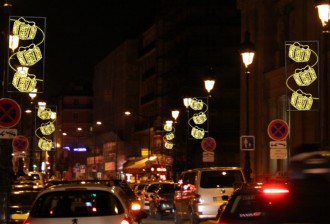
[[81, 33]]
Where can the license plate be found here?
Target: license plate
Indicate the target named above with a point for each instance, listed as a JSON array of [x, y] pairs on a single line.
[[217, 199]]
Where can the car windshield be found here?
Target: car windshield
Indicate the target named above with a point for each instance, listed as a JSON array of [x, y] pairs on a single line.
[[32, 177], [220, 178], [77, 203], [166, 188]]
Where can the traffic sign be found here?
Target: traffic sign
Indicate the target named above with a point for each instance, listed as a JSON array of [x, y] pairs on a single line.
[[278, 129], [6, 133], [10, 113], [208, 144], [247, 143], [20, 143], [208, 157]]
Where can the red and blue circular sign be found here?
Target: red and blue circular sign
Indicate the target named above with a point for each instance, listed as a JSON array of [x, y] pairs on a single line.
[[20, 143], [278, 129], [208, 144], [10, 113]]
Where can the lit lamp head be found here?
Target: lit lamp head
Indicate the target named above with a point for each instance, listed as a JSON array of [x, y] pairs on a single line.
[[323, 8], [247, 51], [13, 42], [175, 114], [209, 84], [186, 102]]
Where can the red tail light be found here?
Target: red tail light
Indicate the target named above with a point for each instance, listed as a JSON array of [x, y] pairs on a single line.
[[273, 189], [126, 221]]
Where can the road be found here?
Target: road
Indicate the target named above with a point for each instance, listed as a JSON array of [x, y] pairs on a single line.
[[151, 220]]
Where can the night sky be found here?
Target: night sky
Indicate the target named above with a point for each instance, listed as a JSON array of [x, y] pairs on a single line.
[[81, 33]]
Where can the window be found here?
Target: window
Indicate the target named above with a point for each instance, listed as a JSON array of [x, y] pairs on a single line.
[[77, 203]]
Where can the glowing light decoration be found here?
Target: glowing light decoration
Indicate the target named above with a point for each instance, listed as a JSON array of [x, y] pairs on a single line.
[[46, 113], [27, 54], [197, 132], [26, 30], [45, 144], [303, 77], [24, 82], [301, 100], [169, 136], [169, 145], [198, 118], [47, 128], [299, 52], [30, 55], [196, 104]]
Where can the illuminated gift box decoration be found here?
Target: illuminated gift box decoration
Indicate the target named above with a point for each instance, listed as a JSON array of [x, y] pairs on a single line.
[[30, 55], [169, 145], [301, 100], [199, 118], [45, 144], [196, 104], [169, 136], [304, 76], [168, 127], [26, 30], [197, 132], [299, 52], [47, 128], [46, 114], [24, 82]]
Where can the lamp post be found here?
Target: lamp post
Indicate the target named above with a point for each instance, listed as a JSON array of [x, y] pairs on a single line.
[[247, 52], [32, 95], [175, 115], [186, 103], [323, 8], [209, 85]]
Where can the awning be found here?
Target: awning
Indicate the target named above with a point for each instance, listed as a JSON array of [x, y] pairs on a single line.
[[135, 164]]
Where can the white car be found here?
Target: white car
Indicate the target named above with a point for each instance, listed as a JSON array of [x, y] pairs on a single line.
[[84, 204]]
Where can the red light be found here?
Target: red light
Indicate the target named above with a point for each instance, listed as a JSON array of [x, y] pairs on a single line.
[[275, 189], [126, 221]]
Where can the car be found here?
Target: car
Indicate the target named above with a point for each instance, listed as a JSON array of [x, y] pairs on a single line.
[[138, 188], [275, 203], [145, 194], [84, 203], [162, 200], [20, 203], [202, 191], [32, 180]]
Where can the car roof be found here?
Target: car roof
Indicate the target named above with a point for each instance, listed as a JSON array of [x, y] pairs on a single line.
[[213, 168]]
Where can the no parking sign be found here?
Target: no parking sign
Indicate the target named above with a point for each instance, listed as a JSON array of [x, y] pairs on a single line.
[[20, 143], [10, 113], [278, 129]]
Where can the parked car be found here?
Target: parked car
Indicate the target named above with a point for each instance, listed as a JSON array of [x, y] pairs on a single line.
[[202, 191], [84, 203], [276, 203], [20, 203], [162, 200]]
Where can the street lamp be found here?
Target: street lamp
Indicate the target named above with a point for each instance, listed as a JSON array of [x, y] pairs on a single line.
[[247, 52], [323, 8]]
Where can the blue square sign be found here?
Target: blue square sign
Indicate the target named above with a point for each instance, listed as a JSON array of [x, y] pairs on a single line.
[[247, 143]]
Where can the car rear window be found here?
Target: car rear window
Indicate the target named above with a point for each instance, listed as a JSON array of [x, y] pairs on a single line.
[[166, 188], [77, 203], [220, 178]]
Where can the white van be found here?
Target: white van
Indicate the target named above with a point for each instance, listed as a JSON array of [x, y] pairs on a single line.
[[203, 190]]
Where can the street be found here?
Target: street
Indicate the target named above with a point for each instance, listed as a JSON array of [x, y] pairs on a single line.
[[151, 220]]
